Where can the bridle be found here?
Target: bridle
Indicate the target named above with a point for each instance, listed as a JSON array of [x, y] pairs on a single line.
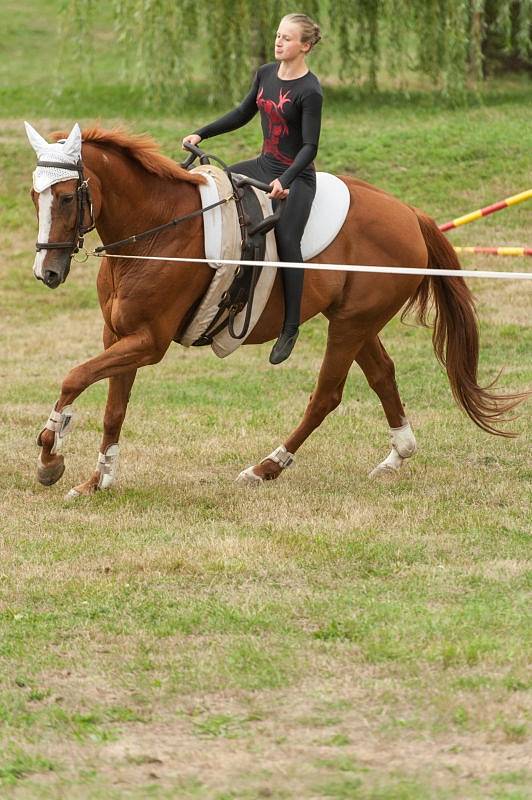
[[84, 202]]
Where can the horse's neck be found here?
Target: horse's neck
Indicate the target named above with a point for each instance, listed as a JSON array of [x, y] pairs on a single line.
[[133, 201]]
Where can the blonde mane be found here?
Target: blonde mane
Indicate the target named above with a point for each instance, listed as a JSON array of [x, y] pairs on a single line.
[[139, 147]]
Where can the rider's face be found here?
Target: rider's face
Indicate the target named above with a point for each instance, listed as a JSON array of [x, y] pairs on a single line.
[[288, 44]]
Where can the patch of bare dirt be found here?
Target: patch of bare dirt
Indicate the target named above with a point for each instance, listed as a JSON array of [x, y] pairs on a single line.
[[289, 740]]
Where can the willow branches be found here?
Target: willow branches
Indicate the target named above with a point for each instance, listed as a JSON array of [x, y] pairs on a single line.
[[165, 46]]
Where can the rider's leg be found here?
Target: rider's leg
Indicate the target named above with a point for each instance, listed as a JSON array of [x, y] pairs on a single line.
[[252, 169], [289, 232]]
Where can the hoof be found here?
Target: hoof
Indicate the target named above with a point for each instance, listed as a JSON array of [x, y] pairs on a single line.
[[86, 489], [389, 468], [248, 478], [384, 471], [48, 475]]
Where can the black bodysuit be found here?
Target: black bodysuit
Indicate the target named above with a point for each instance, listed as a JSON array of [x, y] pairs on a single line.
[[290, 113]]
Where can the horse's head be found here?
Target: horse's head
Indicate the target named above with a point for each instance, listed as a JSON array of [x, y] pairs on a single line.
[[62, 201]]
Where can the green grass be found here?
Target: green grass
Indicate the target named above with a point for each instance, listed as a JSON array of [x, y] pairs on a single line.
[[326, 636]]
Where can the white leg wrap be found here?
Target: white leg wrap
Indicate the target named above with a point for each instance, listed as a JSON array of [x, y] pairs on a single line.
[[403, 440], [107, 466], [403, 446], [280, 455], [60, 422]]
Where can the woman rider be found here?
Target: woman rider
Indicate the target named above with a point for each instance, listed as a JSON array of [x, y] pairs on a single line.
[[289, 99]]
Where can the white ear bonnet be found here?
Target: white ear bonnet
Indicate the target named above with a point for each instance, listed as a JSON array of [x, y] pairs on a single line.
[[66, 151]]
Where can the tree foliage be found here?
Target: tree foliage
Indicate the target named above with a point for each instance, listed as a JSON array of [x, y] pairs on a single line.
[[166, 45]]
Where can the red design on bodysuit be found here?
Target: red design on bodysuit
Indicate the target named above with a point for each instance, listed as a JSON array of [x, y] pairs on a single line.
[[277, 126]]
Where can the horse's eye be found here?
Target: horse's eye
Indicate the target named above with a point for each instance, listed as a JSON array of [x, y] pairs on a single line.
[[66, 199]]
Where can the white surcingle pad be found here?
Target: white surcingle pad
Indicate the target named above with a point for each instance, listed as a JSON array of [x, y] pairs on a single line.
[[66, 151]]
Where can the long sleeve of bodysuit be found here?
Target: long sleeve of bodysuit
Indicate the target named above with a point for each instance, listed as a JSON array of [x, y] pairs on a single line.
[[236, 118], [310, 131]]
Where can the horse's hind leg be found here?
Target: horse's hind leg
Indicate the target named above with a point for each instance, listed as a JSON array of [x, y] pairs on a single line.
[[379, 370], [343, 344], [115, 411]]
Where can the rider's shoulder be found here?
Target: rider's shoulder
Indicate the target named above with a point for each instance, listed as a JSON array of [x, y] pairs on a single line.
[[271, 66], [310, 86], [314, 82]]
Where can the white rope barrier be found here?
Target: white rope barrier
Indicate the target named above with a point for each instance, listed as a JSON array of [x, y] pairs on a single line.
[[438, 273]]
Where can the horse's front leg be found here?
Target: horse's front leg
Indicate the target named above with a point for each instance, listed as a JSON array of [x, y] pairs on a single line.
[[120, 361], [105, 473]]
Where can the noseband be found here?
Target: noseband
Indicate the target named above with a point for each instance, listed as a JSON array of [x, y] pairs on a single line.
[[84, 202]]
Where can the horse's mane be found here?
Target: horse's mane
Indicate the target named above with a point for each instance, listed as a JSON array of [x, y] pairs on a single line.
[[139, 147]]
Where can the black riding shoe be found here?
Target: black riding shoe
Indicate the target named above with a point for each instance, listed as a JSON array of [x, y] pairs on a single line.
[[283, 347]]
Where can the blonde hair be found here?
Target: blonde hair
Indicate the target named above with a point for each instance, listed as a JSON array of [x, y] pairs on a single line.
[[310, 30]]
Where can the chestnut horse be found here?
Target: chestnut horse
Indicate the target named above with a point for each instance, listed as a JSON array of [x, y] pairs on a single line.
[[145, 303]]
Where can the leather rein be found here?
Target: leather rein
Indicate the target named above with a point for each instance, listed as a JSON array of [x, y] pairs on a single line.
[[85, 202], [204, 159], [234, 299]]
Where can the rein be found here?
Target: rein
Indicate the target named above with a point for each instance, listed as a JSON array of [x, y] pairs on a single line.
[[84, 201], [159, 228], [204, 159], [235, 301]]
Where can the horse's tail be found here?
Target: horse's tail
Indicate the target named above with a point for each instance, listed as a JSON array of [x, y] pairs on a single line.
[[455, 333]]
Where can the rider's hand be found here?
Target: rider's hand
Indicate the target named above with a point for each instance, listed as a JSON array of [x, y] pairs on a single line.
[[193, 138], [277, 192]]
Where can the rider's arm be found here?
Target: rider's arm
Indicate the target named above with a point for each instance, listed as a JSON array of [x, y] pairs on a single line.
[[236, 118], [310, 132]]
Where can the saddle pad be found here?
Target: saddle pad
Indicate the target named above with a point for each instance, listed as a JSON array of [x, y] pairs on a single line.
[[220, 220], [221, 231], [222, 241], [327, 214]]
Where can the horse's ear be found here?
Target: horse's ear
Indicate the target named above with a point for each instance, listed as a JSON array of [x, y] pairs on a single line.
[[36, 140], [72, 146]]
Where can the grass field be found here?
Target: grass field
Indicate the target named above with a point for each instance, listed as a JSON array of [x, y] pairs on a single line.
[[326, 636]]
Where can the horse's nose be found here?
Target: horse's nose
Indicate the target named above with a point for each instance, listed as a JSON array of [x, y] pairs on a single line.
[[51, 278]]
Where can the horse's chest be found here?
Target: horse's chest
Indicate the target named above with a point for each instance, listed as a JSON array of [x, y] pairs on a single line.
[[106, 305], [113, 315]]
